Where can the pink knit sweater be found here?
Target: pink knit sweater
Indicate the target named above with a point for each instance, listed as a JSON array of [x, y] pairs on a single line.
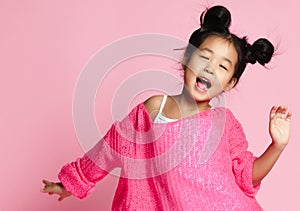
[[197, 163]]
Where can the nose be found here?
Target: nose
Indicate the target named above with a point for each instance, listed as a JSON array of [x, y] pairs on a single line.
[[209, 69]]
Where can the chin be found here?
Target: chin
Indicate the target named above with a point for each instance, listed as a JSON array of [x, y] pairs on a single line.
[[202, 99]]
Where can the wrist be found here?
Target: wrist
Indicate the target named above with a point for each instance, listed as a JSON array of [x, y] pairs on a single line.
[[277, 146]]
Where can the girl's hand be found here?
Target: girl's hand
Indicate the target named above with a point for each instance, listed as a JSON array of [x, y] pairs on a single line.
[[279, 126], [55, 188]]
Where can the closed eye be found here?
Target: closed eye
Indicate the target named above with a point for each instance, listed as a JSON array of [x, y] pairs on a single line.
[[223, 67], [204, 57]]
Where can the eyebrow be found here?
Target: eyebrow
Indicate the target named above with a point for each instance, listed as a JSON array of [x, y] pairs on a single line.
[[210, 51]]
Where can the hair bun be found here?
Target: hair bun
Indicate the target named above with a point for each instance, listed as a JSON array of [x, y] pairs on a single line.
[[261, 51], [217, 16]]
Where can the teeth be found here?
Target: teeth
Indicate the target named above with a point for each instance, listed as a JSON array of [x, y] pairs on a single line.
[[204, 80]]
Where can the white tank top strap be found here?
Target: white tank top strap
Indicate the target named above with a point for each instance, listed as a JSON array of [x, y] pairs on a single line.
[[162, 105], [160, 118]]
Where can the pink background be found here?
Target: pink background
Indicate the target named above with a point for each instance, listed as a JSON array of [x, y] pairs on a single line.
[[45, 44]]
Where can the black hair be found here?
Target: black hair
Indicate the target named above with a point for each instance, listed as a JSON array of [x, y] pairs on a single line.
[[216, 21]]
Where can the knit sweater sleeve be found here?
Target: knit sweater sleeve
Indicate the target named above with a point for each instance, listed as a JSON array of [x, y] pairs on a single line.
[[242, 160], [79, 177]]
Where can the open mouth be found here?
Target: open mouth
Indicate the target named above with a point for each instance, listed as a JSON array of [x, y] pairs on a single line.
[[203, 81]]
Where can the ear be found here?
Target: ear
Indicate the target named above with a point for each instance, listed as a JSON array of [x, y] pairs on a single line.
[[230, 84]]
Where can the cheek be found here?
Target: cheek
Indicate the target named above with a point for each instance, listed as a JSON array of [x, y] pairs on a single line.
[[196, 64], [223, 79], [189, 75]]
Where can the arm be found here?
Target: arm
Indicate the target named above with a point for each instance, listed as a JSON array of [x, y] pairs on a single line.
[[78, 178], [152, 105], [279, 128], [242, 159]]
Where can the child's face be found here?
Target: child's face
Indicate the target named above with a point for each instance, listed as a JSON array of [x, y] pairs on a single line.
[[210, 69]]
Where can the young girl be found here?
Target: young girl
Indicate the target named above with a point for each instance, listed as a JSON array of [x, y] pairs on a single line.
[[179, 152]]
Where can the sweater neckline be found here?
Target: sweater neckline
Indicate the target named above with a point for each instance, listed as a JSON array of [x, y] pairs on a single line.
[[197, 115]]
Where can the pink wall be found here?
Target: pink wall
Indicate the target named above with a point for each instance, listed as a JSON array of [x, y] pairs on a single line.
[[44, 46]]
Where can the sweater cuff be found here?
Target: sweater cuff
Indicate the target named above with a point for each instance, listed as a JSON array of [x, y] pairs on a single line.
[[74, 181], [248, 187]]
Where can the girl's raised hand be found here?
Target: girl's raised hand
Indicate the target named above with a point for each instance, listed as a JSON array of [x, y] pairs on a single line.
[[279, 126], [55, 188]]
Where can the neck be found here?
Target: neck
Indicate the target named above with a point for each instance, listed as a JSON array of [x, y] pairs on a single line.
[[188, 104]]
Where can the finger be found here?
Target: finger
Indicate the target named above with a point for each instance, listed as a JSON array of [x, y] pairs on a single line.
[[50, 193], [283, 109], [46, 182], [281, 112], [278, 110], [273, 111], [48, 189], [289, 116], [45, 190], [61, 198]]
